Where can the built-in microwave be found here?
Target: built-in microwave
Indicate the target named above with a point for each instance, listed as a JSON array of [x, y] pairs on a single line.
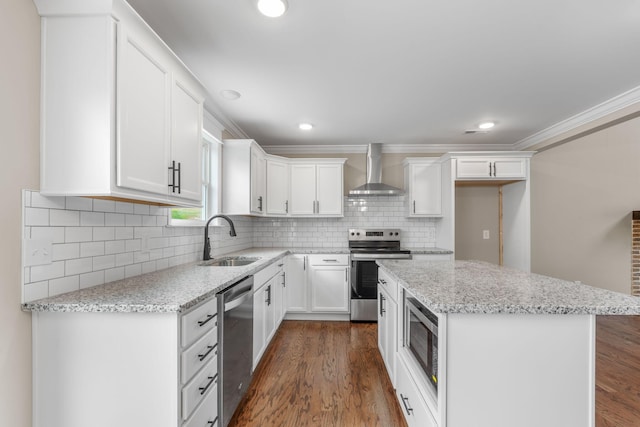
[[421, 338]]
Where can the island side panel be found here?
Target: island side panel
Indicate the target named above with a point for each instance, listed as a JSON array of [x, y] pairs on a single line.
[[520, 370], [105, 369]]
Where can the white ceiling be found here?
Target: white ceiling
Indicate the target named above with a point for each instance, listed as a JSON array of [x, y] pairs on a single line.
[[404, 71]]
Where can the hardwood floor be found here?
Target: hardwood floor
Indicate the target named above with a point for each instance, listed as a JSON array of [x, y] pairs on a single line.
[[618, 371], [331, 374], [321, 374]]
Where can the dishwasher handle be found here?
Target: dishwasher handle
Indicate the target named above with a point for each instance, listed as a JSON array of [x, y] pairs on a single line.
[[238, 301]]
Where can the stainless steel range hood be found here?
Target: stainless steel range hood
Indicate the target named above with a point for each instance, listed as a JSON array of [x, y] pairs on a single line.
[[374, 185]]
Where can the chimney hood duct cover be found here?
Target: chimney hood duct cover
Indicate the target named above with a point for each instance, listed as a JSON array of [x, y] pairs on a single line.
[[374, 186]]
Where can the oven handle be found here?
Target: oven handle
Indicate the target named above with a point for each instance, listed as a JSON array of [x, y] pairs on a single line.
[[423, 319], [370, 257]]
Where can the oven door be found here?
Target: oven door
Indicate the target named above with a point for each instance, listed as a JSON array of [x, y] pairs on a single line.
[[421, 339], [364, 279]]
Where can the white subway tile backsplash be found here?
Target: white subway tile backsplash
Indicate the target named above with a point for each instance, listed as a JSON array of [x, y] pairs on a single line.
[[35, 290], [91, 249], [64, 285], [78, 266], [64, 218], [124, 259], [123, 207], [36, 216], [132, 270], [55, 234], [91, 219], [100, 205], [114, 219], [104, 233], [114, 247], [78, 234], [39, 201], [132, 220], [124, 233], [48, 271], [133, 245], [91, 279], [65, 251], [79, 204], [141, 209], [113, 274], [104, 262]]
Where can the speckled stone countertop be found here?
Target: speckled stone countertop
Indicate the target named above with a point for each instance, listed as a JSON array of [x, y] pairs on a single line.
[[479, 287], [430, 251], [175, 289]]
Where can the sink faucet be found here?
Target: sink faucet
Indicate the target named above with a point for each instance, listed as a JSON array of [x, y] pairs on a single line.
[[207, 246]]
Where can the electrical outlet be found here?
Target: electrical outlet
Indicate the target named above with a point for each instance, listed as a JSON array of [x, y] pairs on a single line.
[[37, 252], [485, 234]]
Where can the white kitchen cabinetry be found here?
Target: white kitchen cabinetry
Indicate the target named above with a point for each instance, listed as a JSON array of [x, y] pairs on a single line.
[[266, 300], [317, 287], [277, 187], [491, 168], [329, 283], [423, 185], [317, 188], [121, 116], [413, 406], [243, 178], [280, 294], [387, 321], [125, 369]]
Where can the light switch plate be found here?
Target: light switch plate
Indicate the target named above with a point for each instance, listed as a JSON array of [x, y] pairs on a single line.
[[485, 234], [37, 252]]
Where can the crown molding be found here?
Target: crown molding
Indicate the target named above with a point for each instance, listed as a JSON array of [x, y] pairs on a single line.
[[600, 111], [386, 148]]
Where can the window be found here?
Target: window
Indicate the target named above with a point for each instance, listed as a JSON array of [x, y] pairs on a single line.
[[211, 162]]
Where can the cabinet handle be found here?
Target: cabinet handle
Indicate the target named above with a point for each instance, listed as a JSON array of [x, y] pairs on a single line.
[[414, 206], [207, 320], [405, 401], [212, 423], [204, 389], [172, 168], [494, 169], [286, 206], [204, 356], [317, 206], [179, 178], [284, 279], [260, 203], [304, 262], [382, 310], [346, 275], [490, 169], [330, 260], [268, 301], [384, 282]]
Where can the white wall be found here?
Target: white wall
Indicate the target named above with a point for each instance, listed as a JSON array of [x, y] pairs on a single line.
[[19, 142], [477, 209], [582, 196]]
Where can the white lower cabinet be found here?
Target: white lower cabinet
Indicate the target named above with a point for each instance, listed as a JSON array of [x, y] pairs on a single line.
[[411, 402], [296, 270], [125, 369], [329, 283], [267, 298], [387, 322]]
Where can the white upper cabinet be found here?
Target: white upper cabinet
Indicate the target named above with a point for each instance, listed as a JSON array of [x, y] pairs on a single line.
[[423, 186], [121, 116], [256, 183], [277, 187], [491, 168], [317, 188]]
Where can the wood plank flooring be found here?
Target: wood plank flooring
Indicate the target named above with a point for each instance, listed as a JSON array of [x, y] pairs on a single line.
[[321, 374], [618, 371], [331, 374]]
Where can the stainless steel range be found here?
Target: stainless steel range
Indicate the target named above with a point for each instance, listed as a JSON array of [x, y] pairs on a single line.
[[367, 246]]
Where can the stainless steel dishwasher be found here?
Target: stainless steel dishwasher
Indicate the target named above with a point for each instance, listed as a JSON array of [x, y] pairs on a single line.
[[235, 339]]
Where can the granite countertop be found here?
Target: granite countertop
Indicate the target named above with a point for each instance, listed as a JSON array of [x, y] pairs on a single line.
[[174, 289], [430, 251], [480, 287]]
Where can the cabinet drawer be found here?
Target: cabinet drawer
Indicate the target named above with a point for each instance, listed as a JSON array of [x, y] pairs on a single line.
[[199, 321], [329, 259], [413, 407], [195, 391], [387, 283], [206, 415], [199, 354], [264, 275]]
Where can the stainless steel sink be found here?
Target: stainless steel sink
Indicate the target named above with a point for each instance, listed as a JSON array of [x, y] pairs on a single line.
[[229, 262]]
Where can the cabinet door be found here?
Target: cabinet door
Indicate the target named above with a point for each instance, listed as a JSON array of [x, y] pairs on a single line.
[[329, 189], [277, 187], [387, 315], [258, 181], [329, 289], [186, 142], [279, 297], [474, 168], [259, 314], [303, 189], [425, 189], [143, 97], [510, 168], [296, 294]]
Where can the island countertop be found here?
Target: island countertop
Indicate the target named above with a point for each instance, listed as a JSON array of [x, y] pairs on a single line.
[[480, 287]]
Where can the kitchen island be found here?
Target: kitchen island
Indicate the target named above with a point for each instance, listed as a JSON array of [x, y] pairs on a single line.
[[514, 348]]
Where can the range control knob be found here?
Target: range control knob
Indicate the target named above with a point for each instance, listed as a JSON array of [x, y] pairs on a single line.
[[357, 234], [352, 233], [396, 233]]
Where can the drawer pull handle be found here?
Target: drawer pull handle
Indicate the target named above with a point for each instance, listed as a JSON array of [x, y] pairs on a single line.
[[330, 260], [204, 356], [212, 423], [405, 401], [384, 282], [207, 320], [204, 389]]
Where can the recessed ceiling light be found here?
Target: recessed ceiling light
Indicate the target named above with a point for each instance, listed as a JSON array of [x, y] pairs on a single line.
[[272, 8], [486, 125], [305, 126], [229, 94]]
